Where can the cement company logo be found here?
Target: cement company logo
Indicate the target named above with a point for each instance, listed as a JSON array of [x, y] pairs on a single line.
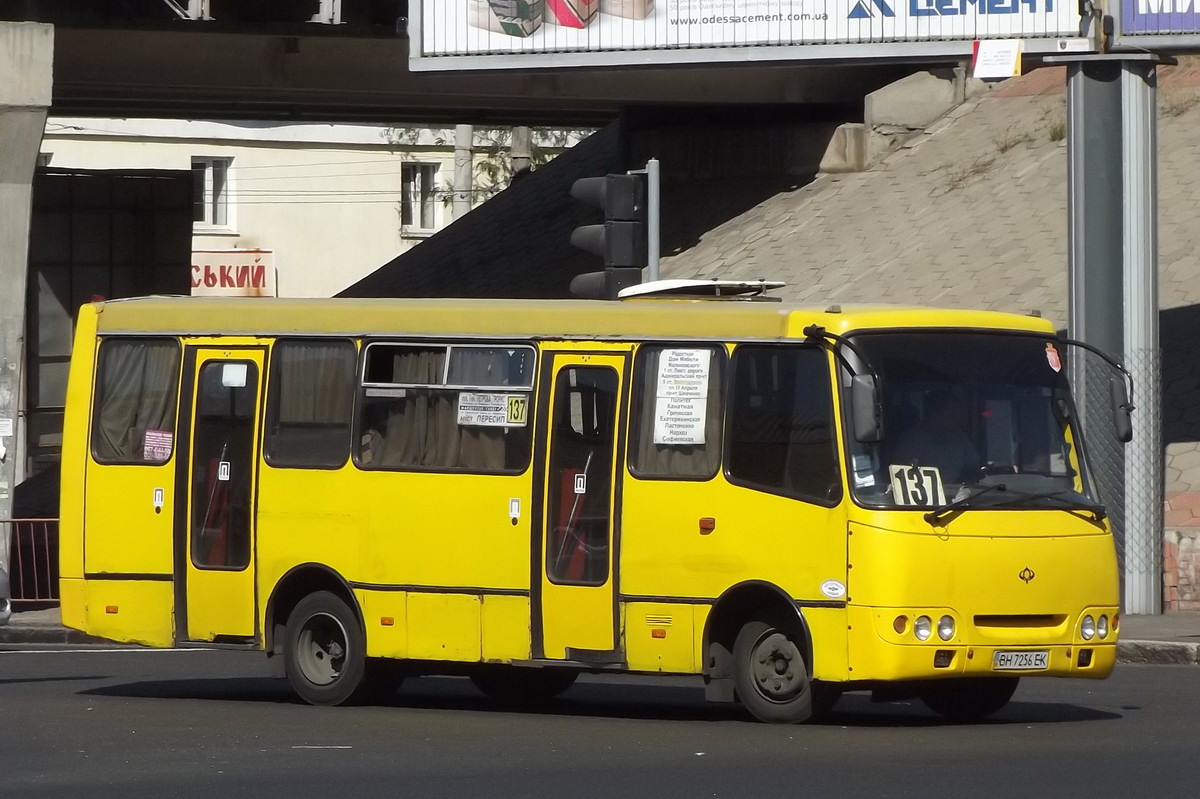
[[863, 9], [870, 9]]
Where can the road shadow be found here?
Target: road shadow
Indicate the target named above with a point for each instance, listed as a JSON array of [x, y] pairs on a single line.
[[71, 678], [599, 700]]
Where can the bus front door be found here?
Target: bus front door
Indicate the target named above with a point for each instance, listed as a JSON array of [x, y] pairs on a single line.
[[578, 610], [215, 553]]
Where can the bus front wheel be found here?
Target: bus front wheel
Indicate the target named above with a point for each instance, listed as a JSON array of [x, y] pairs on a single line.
[[324, 652], [969, 699], [770, 675]]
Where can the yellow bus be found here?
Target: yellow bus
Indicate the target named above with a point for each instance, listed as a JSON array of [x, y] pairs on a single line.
[[791, 501]]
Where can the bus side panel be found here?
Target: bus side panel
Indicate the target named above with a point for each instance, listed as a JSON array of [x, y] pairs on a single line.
[[444, 627], [828, 626], [666, 552], [506, 628], [308, 516], [445, 530], [131, 611], [658, 637], [384, 620], [76, 422]]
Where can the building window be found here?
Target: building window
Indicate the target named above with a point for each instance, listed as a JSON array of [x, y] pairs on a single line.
[[210, 192], [418, 208]]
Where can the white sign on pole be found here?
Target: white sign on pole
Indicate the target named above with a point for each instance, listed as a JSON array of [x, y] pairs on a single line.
[[996, 59]]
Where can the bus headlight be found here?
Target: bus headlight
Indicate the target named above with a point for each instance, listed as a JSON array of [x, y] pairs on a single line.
[[946, 628], [923, 628], [1088, 628], [1102, 627]]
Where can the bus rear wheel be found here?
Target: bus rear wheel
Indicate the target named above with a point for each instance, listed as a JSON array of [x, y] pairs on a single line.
[[770, 674], [325, 651], [969, 699], [517, 684]]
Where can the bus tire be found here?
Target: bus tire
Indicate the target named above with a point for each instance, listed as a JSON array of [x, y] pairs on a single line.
[[770, 675], [325, 651], [969, 699], [518, 684]]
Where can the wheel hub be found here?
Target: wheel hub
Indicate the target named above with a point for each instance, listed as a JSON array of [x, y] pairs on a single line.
[[778, 668], [321, 650]]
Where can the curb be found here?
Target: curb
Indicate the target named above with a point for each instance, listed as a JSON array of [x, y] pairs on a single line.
[[1174, 653]]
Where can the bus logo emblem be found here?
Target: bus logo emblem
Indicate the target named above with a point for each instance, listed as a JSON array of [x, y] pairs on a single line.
[[581, 484], [1027, 574], [223, 471]]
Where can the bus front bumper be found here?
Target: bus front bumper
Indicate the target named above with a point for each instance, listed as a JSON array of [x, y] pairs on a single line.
[[873, 657]]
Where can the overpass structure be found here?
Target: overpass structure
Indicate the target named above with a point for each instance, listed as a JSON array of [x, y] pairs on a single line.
[[567, 62]]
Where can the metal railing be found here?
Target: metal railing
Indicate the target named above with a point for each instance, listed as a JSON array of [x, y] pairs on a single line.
[[32, 559]]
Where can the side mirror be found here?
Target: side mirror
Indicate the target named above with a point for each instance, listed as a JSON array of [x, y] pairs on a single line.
[[1121, 410], [866, 407]]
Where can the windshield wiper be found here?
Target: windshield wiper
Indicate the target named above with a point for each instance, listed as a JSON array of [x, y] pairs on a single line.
[[1068, 503], [934, 516]]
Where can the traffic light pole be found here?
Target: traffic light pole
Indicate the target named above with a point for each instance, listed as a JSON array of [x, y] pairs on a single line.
[[653, 212], [653, 209]]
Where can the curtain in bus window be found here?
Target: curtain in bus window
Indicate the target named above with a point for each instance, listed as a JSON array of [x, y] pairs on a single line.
[[137, 384], [312, 400], [676, 460], [480, 447], [420, 428], [411, 410]]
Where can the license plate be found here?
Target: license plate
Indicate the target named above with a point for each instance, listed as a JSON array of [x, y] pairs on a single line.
[[1021, 661]]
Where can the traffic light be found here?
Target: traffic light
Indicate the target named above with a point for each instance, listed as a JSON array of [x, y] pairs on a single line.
[[620, 240]]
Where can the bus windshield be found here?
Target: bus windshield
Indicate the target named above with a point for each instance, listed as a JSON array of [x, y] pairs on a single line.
[[969, 415]]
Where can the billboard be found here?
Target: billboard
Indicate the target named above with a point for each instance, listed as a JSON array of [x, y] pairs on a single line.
[[1165, 25], [465, 34]]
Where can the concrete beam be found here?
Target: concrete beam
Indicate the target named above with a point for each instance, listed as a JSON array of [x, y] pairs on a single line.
[[114, 72]]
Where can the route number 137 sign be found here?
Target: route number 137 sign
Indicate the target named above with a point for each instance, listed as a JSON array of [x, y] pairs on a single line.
[[916, 485]]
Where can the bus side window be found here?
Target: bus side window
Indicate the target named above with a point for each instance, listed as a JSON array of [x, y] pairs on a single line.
[[433, 406], [690, 381], [310, 402], [781, 432], [136, 399]]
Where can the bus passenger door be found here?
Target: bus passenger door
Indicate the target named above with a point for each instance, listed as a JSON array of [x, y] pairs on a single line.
[[215, 552], [581, 471]]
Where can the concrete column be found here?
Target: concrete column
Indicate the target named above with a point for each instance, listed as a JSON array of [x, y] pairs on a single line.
[[464, 141], [26, 53], [522, 148], [1144, 454], [1112, 187]]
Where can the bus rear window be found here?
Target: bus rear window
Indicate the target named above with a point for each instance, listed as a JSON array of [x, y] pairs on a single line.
[[137, 381]]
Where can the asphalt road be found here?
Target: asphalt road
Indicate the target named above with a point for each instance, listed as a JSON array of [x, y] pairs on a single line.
[[138, 723]]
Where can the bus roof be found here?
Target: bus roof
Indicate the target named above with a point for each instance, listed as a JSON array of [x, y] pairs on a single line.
[[557, 319]]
